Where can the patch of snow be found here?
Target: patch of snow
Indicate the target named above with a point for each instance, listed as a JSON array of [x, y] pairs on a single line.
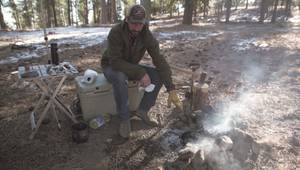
[[168, 44], [161, 21], [246, 44], [244, 18], [85, 37], [191, 35], [169, 35], [295, 19]]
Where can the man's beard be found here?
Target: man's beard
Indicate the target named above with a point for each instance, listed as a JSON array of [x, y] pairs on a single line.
[[135, 33]]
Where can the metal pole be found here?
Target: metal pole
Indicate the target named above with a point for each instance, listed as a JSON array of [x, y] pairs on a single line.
[[45, 31]]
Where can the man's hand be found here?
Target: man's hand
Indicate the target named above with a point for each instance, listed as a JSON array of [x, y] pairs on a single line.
[[173, 98], [145, 81]]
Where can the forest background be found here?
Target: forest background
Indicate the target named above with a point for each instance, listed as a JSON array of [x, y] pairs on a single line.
[[36, 14]]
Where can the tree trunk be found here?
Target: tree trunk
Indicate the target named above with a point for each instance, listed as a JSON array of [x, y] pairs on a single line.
[[33, 13], [27, 15], [161, 4], [147, 5], [222, 2], [228, 9], [247, 3], [95, 9], [274, 16], [282, 3], [219, 10], [109, 14], [47, 5], [170, 12], [205, 8], [2, 22], [72, 12], [188, 12], [54, 13], [86, 12], [195, 11], [288, 8], [104, 12], [170, 8], [113, 11], [98, 11], [15, 13], [263, 9], [69, 12]]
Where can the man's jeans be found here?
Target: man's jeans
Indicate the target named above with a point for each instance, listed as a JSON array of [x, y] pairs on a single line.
[[119, 82]]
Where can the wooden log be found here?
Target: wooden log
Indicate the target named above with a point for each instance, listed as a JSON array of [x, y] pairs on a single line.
[[204, 96], [202, 77], [200, 96], [197, 96]]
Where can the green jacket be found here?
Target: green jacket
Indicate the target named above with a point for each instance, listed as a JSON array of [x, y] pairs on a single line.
[[122, 56]]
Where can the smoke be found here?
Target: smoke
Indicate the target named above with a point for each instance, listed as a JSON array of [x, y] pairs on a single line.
[[229, 111], [217, 158], [229, 115], [253, 73], [225, 119]]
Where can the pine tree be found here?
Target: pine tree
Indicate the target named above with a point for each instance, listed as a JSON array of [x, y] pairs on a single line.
[[188, 12], [27, 13], [15, 13], [2, 22]]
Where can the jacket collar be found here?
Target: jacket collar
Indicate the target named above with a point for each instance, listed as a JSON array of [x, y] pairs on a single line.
[[125, 33]]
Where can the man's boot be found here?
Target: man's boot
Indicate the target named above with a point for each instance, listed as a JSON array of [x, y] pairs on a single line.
[[144, 116], [125, 128], [124, 133]]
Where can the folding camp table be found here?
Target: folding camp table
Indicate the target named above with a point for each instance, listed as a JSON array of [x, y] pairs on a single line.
[[44, 77]]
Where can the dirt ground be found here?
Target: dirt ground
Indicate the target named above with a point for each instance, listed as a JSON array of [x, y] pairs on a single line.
[[258, 80]]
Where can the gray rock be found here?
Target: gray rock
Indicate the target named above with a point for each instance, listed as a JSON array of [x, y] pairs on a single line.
[[294, 140], [191, 158], [242, 144], [198, 161], [224, 142]]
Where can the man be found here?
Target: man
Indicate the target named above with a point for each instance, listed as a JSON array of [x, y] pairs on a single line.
[[127, 44]]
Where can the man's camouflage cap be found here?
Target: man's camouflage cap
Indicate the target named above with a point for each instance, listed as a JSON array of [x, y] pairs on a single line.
[[137, 14]]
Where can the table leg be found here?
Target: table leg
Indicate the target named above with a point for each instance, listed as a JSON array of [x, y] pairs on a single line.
[[52, 98], [41, 119], [56, 117], [60, 104], [32, 116], [65, 110]]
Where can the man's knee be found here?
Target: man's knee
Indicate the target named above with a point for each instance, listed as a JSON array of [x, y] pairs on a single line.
[[121, 77], [115, 76], [154, 76]]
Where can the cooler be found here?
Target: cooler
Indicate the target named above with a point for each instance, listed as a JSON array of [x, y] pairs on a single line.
[[97, 98]]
